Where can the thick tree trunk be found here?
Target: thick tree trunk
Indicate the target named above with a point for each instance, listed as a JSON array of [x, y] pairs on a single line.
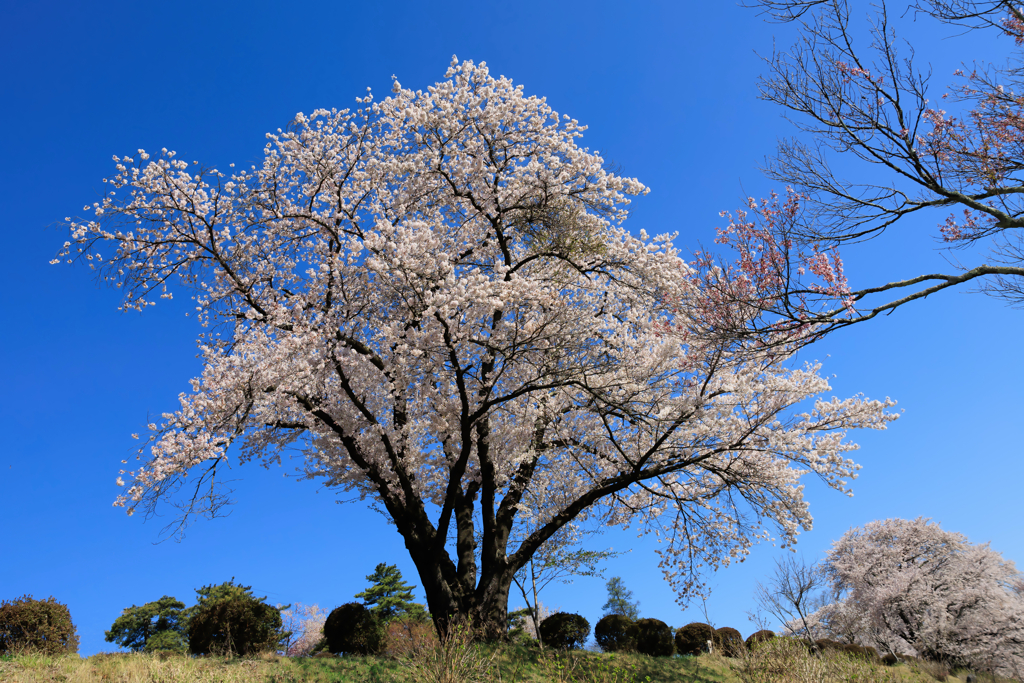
[[490, 615], [454, 601]]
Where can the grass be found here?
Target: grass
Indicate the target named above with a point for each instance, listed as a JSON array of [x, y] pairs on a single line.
[[462, 662]]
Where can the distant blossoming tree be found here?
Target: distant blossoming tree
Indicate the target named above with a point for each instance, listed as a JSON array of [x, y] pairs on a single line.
[[908, 586], [434, 299], [305, 624], [877, 154]]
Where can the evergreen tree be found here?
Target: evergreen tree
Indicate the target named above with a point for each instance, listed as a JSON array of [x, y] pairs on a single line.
[[228, 618], [158, 625], [389, 596], [620, 599]]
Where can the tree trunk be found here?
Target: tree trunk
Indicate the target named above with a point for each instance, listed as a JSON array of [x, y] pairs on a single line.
[[535, 612], [490, 613], [452, 602]]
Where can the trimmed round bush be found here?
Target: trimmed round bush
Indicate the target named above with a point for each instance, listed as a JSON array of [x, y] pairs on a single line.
[[35, 626], [654, 638], [729, 641], [564, 631], [692, 639], [759, 637], [352, 629], [616, 633], [234, 622], [822, 644]]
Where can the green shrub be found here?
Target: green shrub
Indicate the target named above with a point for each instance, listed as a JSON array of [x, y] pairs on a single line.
[[229, 620], [692, 639], [759, 637], [38, 626], [729, 641], [654, 638], [616, 633], [352, 629], [564, 631]]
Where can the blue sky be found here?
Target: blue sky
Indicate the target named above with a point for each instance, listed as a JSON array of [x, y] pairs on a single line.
[[669, 92]]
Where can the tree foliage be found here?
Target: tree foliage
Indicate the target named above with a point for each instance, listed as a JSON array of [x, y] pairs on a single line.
[[142, 628], [167, 641], [353, 629], [434, 300], [389, 596], [859, 93], [729, 641], [654, 638], [908, 586], [564, 631], [36, 626], [757, 637], [229, 619], [695, 638], [616, 633], [620, 600]]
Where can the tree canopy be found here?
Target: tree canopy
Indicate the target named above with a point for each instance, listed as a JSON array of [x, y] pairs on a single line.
[[910, 587], [389, 596], [228, 618], [143, 628], [620, 599], [433, 300]]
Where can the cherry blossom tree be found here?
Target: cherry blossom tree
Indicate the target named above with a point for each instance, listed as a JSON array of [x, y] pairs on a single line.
[[914, 588], [305, 625], [861, 104], [433, 300]]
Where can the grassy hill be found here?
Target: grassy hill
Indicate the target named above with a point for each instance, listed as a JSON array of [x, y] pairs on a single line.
[[464, 663]]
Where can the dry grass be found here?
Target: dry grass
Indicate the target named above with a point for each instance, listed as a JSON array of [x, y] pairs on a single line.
[[458, 660], [786, 660]]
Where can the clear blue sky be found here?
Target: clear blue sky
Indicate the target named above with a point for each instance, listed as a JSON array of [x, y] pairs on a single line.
[[669, 92]]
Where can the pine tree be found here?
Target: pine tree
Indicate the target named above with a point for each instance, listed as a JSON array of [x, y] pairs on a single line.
[[228, 618], [158, 625], [620, 599], [389, 596]]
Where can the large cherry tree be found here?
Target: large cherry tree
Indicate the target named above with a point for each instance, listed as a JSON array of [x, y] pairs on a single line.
[[433, 299], [909, 586]]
